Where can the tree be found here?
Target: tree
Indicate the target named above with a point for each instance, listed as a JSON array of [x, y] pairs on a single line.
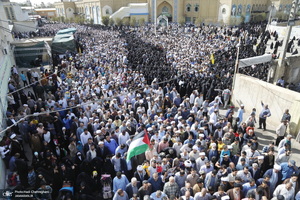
[[119, 22], [133, 21], [111, 21], [79, 20], [126, 21], [105, 20], [198, 21], [62, 19], [141, 22], [181, 21]]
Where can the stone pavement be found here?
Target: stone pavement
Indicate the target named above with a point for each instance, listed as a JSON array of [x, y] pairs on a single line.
[[268, 136]]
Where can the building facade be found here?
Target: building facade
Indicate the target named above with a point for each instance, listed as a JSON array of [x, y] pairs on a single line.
[[180, 11]]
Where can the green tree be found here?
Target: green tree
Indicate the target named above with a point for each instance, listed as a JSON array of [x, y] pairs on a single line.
[[141, 22], [198, 21], [126, 21], [105, 20], [181, 21], [62, 19], [133, 21], [119, 22], [111, 21]]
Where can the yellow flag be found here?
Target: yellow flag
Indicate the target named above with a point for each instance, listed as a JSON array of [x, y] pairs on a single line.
[[212, 58]]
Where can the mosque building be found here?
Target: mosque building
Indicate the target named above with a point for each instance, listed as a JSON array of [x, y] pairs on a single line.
[[229, 12]]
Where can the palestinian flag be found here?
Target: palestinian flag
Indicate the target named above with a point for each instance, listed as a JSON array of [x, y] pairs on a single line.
[[138, 145]]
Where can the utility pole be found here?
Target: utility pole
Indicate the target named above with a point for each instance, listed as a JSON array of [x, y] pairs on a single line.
[[291, 22], [270, 15], [155, 16]]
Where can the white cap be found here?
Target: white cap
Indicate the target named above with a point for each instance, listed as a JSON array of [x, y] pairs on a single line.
[[213, 144], [98, 131], [169, 127], [173, 122], [187, 163], [13, 136], [25, 105], [195, 148], [101, 142], [202, 154], [139, 168], [260, 157], [159, 120], [180, 117], [149, 129], [277, 167], [229, 147], [201, 135]]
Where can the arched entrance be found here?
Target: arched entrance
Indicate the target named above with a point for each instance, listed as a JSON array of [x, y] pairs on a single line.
[[165, 9]]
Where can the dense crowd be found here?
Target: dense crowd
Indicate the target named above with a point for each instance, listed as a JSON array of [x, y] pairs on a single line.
[[69, 135]]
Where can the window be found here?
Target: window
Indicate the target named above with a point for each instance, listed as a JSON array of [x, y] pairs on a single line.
[[70, 9], [188, 19], [12, 13], [165, 9], [188, 8], [7, 13], [107, 11], [224, 11], [196, 8]]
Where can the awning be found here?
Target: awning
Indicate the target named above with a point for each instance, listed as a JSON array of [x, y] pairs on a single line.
[[66, 31], [255, 60]]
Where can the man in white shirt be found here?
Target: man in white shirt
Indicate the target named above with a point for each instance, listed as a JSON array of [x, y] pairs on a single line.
[[285, 190], [85, 136]]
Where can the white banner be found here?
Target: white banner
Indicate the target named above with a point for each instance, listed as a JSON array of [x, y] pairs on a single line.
[[255, 60]]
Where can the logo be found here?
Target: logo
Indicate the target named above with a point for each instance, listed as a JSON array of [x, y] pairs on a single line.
[[7, 193]]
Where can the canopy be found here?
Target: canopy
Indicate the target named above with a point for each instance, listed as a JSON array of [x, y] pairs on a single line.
[[63, 43], [255, 60], [66, 31]]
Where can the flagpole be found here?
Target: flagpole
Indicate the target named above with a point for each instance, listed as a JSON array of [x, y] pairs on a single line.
[[155, 17], [236, 67]]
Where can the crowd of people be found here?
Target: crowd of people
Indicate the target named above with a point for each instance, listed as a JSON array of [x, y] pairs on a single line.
[[69, 135]]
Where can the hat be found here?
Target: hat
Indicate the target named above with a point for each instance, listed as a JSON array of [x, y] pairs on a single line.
[[260, 157], [145, 181], [213, 144], [202, 172], [98, 131], [202, 154], [25, 105], [289, 136], [201, 135], [101, 142], [149, 129], [169, 127], [293, 162], [13, 136], [139, 168], [229, 147], [242, 105], [277, 167], [187, 163], [95, 173], [195, 148]]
